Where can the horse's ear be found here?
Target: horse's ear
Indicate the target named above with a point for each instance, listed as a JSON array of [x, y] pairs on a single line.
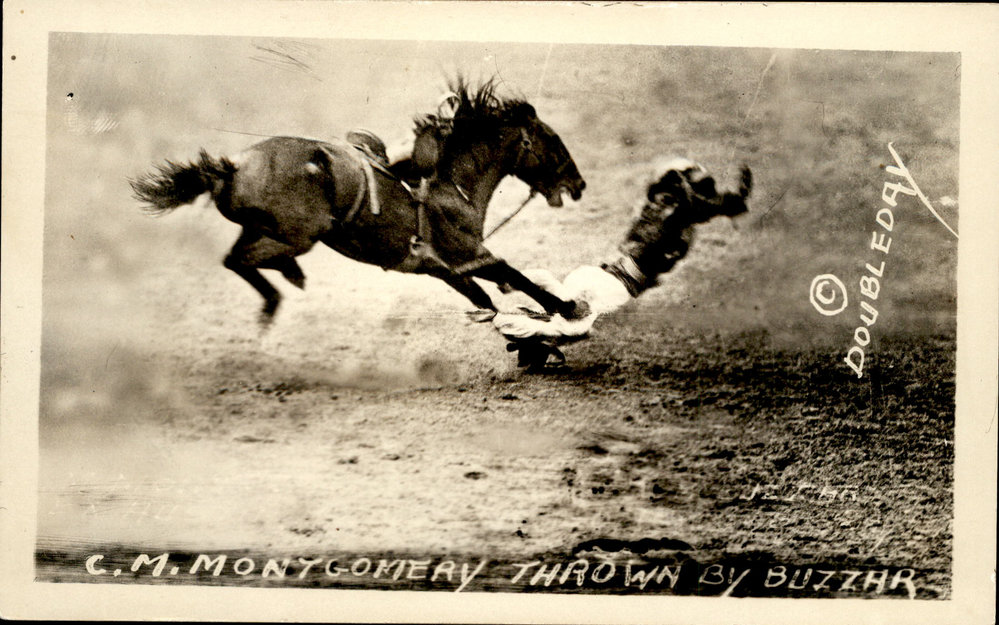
[[524, 110]]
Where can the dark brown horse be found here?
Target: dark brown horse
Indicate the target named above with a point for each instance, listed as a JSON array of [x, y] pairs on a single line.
[[290, 193]]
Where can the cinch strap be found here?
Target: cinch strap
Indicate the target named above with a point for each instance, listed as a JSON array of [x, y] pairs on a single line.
[[367, 185]]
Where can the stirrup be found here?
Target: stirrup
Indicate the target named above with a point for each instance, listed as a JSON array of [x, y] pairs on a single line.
[[580, 310]]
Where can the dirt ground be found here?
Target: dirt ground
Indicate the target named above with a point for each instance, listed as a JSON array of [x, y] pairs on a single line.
[[713, 421]]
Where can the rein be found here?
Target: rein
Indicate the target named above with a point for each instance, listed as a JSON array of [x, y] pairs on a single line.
[[525, 147], [507, 219]]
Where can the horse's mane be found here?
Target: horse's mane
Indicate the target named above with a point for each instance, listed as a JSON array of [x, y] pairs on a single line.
[[476, 114], [482, 101], [475, 105]]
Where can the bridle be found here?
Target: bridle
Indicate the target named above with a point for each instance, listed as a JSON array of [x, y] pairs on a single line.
[[526, 146]]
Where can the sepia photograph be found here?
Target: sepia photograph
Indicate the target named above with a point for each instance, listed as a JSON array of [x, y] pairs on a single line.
[[429, 315]]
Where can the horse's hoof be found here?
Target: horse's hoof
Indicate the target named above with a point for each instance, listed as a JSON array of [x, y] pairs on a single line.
[[481, 315], [578, 310], [298, 281], [266, 316]]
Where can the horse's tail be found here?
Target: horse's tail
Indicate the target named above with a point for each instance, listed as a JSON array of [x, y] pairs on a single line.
[[176, 184]]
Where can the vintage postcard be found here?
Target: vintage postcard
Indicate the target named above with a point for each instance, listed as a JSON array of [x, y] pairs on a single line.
[[499, 312]]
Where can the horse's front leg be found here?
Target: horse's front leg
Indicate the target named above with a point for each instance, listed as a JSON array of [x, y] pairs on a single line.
[[501, 273], [474, 293]]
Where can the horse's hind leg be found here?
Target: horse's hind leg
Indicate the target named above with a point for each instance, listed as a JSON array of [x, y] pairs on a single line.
[[279, 256], [253, 251]]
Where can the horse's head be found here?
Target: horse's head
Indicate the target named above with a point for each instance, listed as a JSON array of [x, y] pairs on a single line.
[[477, 130], [541, 159]]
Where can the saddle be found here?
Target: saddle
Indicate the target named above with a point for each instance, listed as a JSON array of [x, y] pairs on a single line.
[[369, 143], [415, 177], [371, 154]]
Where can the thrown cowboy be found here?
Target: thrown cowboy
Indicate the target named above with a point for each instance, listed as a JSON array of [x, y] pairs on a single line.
[[682, 197]]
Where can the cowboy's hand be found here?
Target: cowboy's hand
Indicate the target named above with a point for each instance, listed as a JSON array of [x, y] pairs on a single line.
[[745, 182]]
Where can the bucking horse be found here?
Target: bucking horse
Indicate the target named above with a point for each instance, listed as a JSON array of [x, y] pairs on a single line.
[[423, 214]]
